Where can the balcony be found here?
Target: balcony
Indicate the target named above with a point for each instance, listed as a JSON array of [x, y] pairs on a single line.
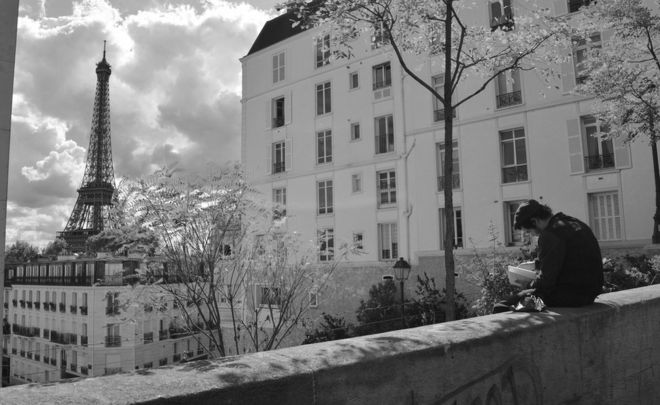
[[52, 306], [26, 331], [62, 307], [148, 337], [112, 311], [176, 358], [509, 99], [455, 182], [278, 167], [599, 162], [64, 338], [73, 309], [37, 357], [63, 364], [83, 340], [83, 370], [6, 305], [83, 310], [162, 334], [53, 361], [22, 303], [112, 370], [14, 302], [278, 122], [13, 350], [46, 334], [74, 367], [112, 341], [22, 353], [28, 355], [439, 114], [37, 305], [46, 359], [162, 362], [29, 304], [45, 306], [514, 174]]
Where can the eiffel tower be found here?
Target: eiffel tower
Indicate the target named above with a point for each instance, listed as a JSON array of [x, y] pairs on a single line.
[[90, 214]]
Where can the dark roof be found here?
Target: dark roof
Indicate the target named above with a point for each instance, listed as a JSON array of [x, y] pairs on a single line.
[[276, 30]]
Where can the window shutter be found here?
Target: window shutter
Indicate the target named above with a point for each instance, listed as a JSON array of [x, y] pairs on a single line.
[[568, 75], [561, 7], [495, 13], [269, 112], [575, 155], [287, 108], [275, 69], [288, 151], [621, 153], [269, 158]]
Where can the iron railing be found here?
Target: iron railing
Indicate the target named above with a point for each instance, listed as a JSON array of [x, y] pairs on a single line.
[[509, 99], [596, 162]]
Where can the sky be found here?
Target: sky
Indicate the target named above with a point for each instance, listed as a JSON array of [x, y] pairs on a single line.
[[175, 93]]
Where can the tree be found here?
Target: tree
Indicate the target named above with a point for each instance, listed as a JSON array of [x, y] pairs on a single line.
[[437, 30], [54, 248], [20, 252], [430, 304], [232, 273], [381, 312], [623, 75]]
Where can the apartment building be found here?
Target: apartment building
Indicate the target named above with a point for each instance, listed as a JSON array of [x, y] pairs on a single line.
[[66, 320], [351, 150]]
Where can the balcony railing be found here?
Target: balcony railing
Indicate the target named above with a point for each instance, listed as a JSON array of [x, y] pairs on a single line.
[[46, 359], [381, 84], [62, 307], [83, 340], [179, 332], [597, 162], [148, 337], [29, 304], [162, 334], [455, 181], [22, 353], [188, 354], [14, 302], [83, 370], [53, 361], [63, 364], [22, 303], [439, 114], [64, 338], [113, 310], [278, 167], [112, 341], [13, 350], [46, 334], [27, 331], [28, 355], [509, 99], [83, 310], [45, 306], [37, 305], [37, 357], [112, 370], [73, 309], [514, 174], [74, 367], [52, 306], [6, 305], [278, 122], [162, 362], [176, 357]]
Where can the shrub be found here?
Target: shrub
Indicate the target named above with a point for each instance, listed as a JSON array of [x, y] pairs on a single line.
[[331, 328], [630, 271]]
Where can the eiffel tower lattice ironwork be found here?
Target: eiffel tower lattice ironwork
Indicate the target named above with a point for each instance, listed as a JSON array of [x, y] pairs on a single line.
[[90, 214]]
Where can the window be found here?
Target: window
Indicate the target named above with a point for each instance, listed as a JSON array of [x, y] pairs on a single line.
[[325, 197], [323, 51], [455, 168], [384, 127], [84, 299], [575, 5], [112, 307], [386, 185], [604, 215], [507, 88], [277, 112], [313, 299], [324, 147], [438, 83], [278, 67], [62, 298], [279, 202], [380, 36], [270, 296], [512, 237], [356, 183], [355, 131], [583, 50], [358, 240], [279, 157], [382, 76], [458, 228], [112, 338], [388, 245], [353, 80], [323, 98], [514, 155], [600, 150], [501, 15], [326, 240]]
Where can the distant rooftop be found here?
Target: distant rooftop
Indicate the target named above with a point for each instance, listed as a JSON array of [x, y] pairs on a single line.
[[276, 30]]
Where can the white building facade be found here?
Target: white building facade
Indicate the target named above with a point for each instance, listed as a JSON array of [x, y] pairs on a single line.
[[352, 149]]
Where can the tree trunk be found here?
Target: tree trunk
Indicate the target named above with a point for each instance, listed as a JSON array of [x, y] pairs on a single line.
[[655, 238], [447, 180]]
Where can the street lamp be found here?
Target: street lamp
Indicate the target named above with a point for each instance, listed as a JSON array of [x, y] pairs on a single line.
[[401, 273]]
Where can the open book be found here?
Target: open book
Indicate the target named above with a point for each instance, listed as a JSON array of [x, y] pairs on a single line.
[[522, 274]]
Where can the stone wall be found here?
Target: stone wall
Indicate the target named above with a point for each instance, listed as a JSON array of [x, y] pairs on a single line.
[[601, 354]]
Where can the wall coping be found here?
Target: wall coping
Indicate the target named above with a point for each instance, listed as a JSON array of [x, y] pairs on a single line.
[[290, 375]]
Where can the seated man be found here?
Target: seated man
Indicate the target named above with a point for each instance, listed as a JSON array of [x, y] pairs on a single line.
[[569, 258]]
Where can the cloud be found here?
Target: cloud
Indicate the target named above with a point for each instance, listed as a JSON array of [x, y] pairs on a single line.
[[174, 94]]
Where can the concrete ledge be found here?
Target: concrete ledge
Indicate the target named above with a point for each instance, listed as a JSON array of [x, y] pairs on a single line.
[[601, 354]]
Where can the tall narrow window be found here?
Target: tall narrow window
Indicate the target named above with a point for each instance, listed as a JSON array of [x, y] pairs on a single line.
[[323, 51], [353, 80], [458, 228], [325, 197], [278, 67], [326, 240], [324, 147], [605, 215], [386, 185], [382, 76], [501, 15], [279, 202], [438, 83], [279, 157], [599, 148], [455, 167], [384, 127], [356, 182], [277, 113], [583, 50], [512, 236], [507, 88], [380, 36], [355, 131], [323, 98], [388, 242], [514, 155]]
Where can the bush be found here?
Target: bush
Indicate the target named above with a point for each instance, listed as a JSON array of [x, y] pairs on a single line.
[[331, 328], [431, 304], [630, 271], [381, 312]]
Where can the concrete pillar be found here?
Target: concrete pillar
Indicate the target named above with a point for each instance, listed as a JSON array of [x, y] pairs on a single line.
[[8, 23]]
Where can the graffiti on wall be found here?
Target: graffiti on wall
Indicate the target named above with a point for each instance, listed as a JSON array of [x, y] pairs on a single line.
[[517, 381]]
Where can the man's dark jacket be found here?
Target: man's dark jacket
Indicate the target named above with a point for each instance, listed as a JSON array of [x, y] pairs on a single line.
[[570, 262]]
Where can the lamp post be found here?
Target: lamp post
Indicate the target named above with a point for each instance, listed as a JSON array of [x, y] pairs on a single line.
[[401, 273]]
